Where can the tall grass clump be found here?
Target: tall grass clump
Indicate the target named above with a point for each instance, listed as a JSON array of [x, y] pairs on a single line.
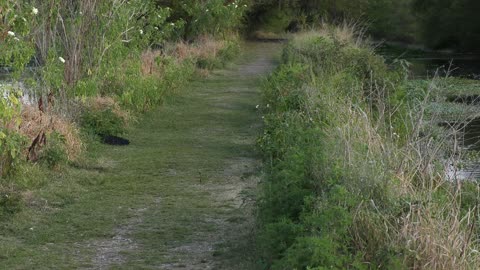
[[355, 179]]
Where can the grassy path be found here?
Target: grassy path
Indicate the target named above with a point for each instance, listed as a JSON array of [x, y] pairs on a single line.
[[179, 197]]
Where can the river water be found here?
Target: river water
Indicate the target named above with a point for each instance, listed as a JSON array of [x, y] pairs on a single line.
[[428, 64]]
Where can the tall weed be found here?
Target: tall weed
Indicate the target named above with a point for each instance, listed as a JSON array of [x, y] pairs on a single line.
[[354, 181]]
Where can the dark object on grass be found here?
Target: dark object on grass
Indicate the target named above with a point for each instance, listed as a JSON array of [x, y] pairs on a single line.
[[114, 140]]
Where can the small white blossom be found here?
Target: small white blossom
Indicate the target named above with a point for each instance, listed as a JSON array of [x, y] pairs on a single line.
[[156, 28], [16, 39], [268, 105], [61, 59], [141, 32], [34, 11], [256, 107], [10, 33]]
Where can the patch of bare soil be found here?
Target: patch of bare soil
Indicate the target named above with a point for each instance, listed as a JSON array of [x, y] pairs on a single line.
[[109, 251]]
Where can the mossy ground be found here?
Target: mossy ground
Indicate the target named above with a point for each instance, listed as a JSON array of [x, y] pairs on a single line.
[[180, 196]]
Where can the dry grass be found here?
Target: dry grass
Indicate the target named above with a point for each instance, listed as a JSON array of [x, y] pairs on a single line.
[[439, 238], [105, 103], [372, 154], [435, 236], [344, 33], [203, 47], [262, 35], [150, 64], [34, 122]]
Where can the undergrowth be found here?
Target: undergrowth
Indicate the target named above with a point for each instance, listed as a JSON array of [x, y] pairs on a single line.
[[99, 66], [354, 179]]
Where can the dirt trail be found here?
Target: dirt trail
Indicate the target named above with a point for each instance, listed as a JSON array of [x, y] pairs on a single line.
[[199, 152], [180, 196]]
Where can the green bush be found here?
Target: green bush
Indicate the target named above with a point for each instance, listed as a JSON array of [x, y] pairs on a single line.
[[54, 153], [273, 20], [309, 207], [102, 123], [230, 51], [12, 143], [282, 91], [225, 55], [143, 93], [11, 202], [209, 17]]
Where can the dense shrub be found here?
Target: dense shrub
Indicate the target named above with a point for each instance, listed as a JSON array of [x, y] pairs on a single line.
[[12, 143], [103, 123], [339, 192], [11, 202], [54, 154], [209, 17]]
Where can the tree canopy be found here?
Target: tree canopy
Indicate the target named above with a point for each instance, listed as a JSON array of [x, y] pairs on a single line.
[[439, 24]]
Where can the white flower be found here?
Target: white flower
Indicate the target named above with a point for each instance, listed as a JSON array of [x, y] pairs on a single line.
[[156, 28], [256, 107], [61, 59], [141, 32], [268, 105], [16, 39], [172, 24], [34, 11], [10, 33]]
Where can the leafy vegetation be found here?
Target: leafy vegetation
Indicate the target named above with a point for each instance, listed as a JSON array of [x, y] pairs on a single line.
[[343, 188], [384, 18], [447, 16], [103, 123], [55, 153], [92, 67], [434, 23], [355, 173]]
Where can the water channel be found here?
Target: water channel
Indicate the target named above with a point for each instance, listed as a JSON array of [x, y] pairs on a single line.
[[426, 64]]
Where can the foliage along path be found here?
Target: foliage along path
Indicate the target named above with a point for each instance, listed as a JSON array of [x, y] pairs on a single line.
[[179, 197]]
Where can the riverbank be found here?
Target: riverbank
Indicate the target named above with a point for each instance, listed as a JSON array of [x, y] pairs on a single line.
[[355, 170]]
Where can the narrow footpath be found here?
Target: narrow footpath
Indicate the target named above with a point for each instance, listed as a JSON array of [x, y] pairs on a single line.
[[179, 197]]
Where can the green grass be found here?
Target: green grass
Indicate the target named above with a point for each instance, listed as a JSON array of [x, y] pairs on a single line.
[[164, 191]]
